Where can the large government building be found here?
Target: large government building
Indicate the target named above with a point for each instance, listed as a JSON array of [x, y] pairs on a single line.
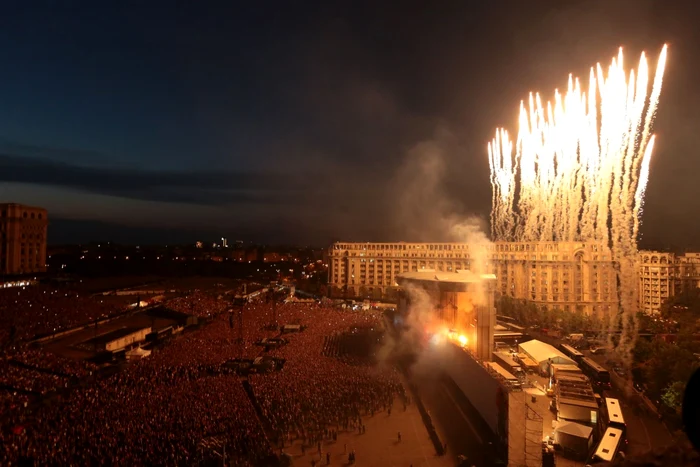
[[567, 275], [22, 239], [574, 276]]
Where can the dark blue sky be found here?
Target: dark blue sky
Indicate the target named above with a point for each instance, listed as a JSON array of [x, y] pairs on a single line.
[[274, 121]]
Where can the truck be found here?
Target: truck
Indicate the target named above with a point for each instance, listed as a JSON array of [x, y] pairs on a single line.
[[507, 363], [575, 337], [528, 364]]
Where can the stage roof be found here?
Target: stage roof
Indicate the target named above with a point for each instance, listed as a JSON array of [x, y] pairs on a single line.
[[458, 277]]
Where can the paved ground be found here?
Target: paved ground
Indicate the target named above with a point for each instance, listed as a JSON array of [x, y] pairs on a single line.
[[452, 419], [379, 446]]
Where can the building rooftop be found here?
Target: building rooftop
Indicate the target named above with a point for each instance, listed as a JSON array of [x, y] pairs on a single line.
[[566, 368], [575, 429], [5, 205]]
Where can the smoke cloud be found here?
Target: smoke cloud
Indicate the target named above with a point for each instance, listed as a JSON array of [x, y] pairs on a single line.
[[425, 212], [419, 197]]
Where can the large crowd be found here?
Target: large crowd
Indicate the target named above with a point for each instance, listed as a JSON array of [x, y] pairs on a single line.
[[200, 304], [172, 407], [27, 312], [149, 414], [314, 393]]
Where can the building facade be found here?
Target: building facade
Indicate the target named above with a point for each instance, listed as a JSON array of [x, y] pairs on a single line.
[[22, 239], [663, 275], [575, 276], [688, 271]]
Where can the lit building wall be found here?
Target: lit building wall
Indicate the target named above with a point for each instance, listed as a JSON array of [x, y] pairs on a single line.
[[574, 276], [22, 239], [663, 275], [688, 271], [657, 279]]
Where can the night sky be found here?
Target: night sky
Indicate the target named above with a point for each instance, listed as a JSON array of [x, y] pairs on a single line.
[[307, 122]]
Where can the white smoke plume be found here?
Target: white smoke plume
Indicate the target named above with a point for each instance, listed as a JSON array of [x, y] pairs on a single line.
[[425, 212], [423, 209]]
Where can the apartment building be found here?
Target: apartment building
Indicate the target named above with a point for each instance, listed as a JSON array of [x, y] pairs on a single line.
[[568, 275], [22, 239], [688, 271], [663, 275]]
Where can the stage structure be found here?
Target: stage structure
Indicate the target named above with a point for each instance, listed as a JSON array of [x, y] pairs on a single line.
[[462, 303]]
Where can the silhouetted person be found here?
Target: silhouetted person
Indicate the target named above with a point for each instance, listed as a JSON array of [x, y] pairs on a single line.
[[399, 436]]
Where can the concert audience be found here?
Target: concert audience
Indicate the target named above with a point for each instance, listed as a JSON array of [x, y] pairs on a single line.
[[181, 405]]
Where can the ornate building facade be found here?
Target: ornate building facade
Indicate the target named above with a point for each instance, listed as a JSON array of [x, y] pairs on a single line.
[[575, 276]]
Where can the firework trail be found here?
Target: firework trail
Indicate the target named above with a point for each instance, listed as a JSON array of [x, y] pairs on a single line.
[[579, 168]]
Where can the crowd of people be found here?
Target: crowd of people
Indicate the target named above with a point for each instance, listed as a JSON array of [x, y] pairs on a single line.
[[198, 303], [51, 362], [166, 408], [315, 393], [27, 312], [160, 410], [149, 414], [29, 380]]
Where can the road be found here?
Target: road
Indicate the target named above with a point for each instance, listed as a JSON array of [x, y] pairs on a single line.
[[644, 430]]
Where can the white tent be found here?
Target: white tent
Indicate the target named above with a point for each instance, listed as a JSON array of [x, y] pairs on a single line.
[[544, 354]]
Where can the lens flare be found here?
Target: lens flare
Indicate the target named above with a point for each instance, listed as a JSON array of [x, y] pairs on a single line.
[[579, 166]]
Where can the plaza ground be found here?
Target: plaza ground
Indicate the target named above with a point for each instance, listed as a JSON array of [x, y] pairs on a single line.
[[379, 445]]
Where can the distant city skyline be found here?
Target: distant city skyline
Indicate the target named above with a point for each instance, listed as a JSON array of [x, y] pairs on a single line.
[[307, 124]]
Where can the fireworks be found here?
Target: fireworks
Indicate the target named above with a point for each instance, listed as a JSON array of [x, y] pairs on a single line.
[[578, 161], [579, 166]]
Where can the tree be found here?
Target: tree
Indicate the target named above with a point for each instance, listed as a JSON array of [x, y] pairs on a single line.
[[684, 309], [673, 395], [651, 324], [363, 292], [668, 364], [643, 351], [392, 293], [323, 290]]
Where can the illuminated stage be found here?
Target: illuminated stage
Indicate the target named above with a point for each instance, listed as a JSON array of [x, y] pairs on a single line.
[[462, 302]]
